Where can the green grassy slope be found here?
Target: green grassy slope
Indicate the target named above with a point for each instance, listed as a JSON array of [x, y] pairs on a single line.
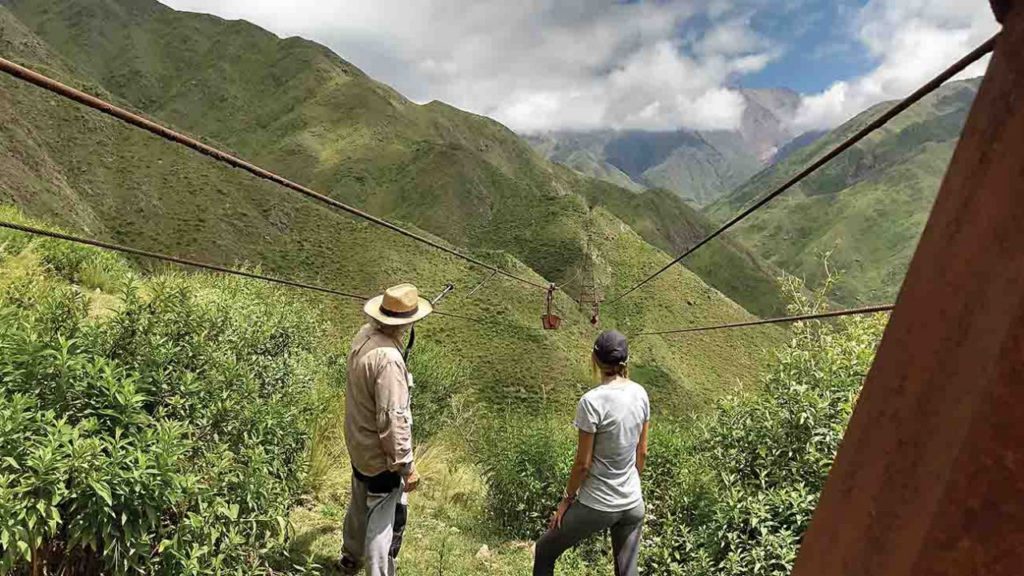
[[667, 222], [703, 170], [72, 167], [76, 168], [867, 207], [298, 108]]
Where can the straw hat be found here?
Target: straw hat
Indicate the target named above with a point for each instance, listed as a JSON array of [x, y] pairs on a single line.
[[398, 305]]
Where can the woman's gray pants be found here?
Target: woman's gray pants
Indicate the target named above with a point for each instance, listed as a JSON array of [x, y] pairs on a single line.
[[581, 521]]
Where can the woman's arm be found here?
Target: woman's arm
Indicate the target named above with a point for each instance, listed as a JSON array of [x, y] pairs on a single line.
[[641, 448], [580, 469], [580, 466]]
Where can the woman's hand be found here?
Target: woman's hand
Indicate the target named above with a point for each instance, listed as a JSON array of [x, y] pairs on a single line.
[[556, 518]]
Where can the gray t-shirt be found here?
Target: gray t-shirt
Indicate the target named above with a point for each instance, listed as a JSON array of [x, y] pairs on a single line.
[[615, 413]]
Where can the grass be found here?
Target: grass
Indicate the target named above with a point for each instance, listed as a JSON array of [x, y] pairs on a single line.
[[447, 533], [667, 222], [297, 108]]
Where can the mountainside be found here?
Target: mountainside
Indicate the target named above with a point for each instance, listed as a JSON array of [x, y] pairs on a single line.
[[295, 107], [666, 221], [866, 207], [698, 165]]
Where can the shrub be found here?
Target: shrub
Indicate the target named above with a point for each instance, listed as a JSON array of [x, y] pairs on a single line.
[[167, 437], [526, 465], [730, 493], [753, 469], [91, 268]]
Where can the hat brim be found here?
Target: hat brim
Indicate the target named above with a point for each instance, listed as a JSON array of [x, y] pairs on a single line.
[[372, 309]]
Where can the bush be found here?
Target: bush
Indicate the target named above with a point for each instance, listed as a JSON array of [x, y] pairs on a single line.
[[91, 268], [752, 471], [169, 436], [526, 465]]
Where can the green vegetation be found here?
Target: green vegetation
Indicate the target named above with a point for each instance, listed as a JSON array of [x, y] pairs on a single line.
[[78, 169], [290, 105], [667, 222], [228, 391], [866, 208], [753, 469], [164, 428], [732, 492]]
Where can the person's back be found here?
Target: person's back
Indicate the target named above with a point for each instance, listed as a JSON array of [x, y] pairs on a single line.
[[378, 433], [374, 360], [603, 491], [615, 413]]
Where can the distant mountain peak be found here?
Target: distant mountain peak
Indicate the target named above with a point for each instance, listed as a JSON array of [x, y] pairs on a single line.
[[699, 166]]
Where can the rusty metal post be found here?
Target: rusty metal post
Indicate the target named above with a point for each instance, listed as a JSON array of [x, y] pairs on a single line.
[[929, 479]]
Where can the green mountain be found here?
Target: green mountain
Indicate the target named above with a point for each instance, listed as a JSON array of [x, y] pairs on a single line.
[[295, 107], [583, 153], [666, 221], [867, 207], [700, 166]]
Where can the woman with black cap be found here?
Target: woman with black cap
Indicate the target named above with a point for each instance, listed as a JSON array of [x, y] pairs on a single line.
[[604, 486]]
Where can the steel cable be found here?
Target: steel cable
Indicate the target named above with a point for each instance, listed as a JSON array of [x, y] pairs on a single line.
[[193, 263], [786, 319]]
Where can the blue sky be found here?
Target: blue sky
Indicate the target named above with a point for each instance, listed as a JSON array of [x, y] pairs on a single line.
[[540, 65], [820, 47]]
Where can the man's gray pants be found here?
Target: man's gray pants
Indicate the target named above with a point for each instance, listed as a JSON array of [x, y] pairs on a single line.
[[369, 524], [581, 521]]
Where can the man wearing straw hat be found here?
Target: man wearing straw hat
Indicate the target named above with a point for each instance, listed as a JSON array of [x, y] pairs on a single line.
[[378, 430]]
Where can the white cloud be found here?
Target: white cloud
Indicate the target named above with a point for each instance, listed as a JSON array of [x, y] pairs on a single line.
[[537, 64], [912, 40]]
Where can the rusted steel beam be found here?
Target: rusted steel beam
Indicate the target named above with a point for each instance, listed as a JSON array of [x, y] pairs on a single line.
[[929, 479], [1001, 8]]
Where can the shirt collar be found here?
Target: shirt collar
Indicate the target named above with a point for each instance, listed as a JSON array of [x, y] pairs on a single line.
[[377, 333]]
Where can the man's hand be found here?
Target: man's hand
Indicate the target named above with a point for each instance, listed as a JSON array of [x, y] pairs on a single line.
[[412, 481], [556, 518]]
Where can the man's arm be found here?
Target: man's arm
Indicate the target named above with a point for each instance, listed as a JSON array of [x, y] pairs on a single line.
[[394, 423]]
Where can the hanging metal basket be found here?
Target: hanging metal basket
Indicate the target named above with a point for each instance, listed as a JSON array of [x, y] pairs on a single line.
[[551, 321]]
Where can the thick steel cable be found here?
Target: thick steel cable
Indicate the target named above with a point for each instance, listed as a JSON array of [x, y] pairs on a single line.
[[193, 263], [173, 259], [786, 319], [907, 102], [47, 83]]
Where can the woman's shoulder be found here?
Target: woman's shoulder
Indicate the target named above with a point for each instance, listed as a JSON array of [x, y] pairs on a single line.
[[638, 391], [635, 386]]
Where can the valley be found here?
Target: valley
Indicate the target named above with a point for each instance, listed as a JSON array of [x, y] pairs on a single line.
[[244, 383]]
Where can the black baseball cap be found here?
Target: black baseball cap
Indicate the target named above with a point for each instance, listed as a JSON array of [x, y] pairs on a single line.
[[611, 348]]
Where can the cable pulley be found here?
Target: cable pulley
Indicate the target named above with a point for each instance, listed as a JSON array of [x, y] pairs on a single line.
[[550, 320]]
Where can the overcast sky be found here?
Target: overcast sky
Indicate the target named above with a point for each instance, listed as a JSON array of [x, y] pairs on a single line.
[[657, 65]]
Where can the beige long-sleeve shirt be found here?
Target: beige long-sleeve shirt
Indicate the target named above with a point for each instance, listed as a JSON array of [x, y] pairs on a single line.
[[378, 422]]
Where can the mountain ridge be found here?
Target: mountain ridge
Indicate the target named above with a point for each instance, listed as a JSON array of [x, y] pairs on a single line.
[[700, 166], [866, 208]]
